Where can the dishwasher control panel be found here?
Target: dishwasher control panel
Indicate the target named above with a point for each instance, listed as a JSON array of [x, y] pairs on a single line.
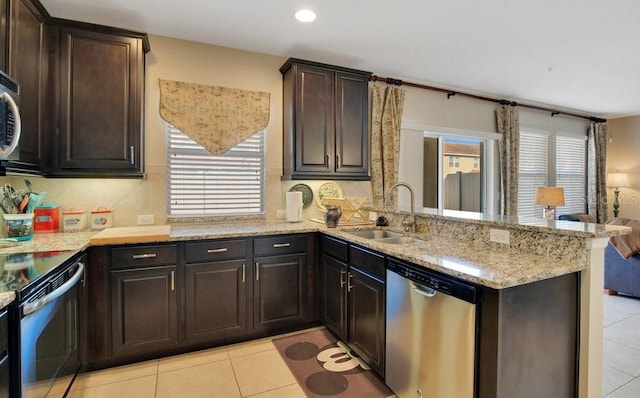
[[434, 281]]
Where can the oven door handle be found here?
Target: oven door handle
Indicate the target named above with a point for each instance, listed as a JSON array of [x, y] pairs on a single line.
[[65, 287]]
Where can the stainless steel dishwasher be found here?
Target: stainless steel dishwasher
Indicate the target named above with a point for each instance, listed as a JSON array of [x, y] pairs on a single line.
[[431, 334]]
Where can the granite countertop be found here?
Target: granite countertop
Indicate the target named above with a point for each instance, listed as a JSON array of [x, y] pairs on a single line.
[[6, 298], [474, 261]]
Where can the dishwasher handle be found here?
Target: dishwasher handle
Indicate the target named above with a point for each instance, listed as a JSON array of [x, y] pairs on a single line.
[[423, 290]]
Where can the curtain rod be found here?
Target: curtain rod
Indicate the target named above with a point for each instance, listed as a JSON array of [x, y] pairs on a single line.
[[451, 93]]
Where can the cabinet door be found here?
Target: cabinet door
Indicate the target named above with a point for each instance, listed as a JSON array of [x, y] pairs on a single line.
[[143, 309], [279, 291], [101, 99], [4, 34], [25, 65], [334, 295], [215, 300], [367, 318], [314, 119], [352, 124]]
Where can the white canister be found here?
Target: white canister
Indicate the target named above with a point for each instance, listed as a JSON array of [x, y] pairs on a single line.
[[74, 220], [294, 206]]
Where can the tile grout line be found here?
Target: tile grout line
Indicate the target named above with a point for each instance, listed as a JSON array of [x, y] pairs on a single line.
[[235, 376], [620, 386], [273, 389]]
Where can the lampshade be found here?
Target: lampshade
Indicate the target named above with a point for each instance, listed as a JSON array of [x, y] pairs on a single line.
[[618, 180], [549, 196]]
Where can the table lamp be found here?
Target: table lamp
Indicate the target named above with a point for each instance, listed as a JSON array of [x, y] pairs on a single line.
[[549, 197], [617, 180]]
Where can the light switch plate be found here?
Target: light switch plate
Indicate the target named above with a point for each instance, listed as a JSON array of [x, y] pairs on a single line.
[[281, 214], [499, 236]]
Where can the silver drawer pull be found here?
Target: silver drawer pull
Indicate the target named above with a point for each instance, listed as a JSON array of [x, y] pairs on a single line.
[[146, 255], [277, 245], [220, 250]]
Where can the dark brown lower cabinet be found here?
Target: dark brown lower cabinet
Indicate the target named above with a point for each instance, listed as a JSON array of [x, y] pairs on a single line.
[[144, 309], [334, 297], [367, 318], [215, 300], [279, 291], [152, 300], [353, 299]]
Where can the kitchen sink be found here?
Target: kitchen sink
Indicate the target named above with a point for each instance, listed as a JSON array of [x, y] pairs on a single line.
[[399, 240], [375, 234], [383, 236]]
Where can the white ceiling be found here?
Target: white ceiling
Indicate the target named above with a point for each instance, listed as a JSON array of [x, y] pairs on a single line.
[[581, 55]]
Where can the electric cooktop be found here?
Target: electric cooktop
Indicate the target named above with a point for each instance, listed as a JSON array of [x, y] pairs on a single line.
[[21, 272]]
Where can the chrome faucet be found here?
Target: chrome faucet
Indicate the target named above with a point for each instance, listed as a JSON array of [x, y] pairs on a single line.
[[408, 224]]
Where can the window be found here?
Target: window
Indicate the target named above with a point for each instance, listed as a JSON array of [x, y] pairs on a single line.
[[551, 160], [571, 174], [201, 184], [533, 166], [457, 182]]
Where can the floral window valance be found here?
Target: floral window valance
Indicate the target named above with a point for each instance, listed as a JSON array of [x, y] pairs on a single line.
[[218, 118]]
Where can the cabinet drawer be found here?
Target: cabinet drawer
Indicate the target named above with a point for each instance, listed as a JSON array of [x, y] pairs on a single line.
[[215, 250], [370, 262], [279, 245], [335, 248], [139, 256]]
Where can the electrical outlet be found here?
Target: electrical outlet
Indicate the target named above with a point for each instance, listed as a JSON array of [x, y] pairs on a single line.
[[146, 219], [281, 214], [499, 236]]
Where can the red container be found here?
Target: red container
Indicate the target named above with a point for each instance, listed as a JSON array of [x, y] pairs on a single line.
[[46, 219]]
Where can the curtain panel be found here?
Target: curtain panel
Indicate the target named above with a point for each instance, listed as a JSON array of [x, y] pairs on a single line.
[[597, 171], [508, 120], [217, 118], [386, 120]]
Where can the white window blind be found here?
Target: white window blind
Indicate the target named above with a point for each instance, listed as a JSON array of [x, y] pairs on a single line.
[[201, 184], [570, 173], [533, 172]]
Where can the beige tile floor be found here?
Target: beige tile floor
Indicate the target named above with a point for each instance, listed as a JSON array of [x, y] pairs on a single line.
[[621, 368], [255, 369]]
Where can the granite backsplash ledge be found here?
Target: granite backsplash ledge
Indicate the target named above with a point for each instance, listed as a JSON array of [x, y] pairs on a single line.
[[560, 239]]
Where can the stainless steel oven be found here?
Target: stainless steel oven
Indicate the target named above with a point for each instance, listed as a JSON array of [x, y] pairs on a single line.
[[47, 328]]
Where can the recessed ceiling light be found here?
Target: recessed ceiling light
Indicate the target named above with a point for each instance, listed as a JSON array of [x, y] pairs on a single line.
[[305, 15]]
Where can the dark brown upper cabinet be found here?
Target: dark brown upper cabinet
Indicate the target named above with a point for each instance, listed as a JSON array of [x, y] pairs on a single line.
[[81, 93], [101, 102], [326, 121], [26, 63]]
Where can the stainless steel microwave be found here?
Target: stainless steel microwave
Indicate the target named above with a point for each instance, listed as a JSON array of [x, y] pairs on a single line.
[[10, 124]]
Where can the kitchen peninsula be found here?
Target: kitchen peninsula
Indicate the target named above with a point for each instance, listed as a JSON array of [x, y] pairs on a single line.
[[538, 252]]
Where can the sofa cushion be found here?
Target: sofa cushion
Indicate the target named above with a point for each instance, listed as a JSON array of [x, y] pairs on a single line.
[[627, 245]]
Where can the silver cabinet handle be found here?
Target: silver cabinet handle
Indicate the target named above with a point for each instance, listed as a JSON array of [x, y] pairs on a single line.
[[349, 285], [146, 255], [220, 250], [133, 155], [173, 280], [257, 271], [337, 160], [277, 245], [243, 273], [342, 274], [327, 160]]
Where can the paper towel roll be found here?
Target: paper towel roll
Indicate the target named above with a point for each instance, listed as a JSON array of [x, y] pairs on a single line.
[[294, 206]]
